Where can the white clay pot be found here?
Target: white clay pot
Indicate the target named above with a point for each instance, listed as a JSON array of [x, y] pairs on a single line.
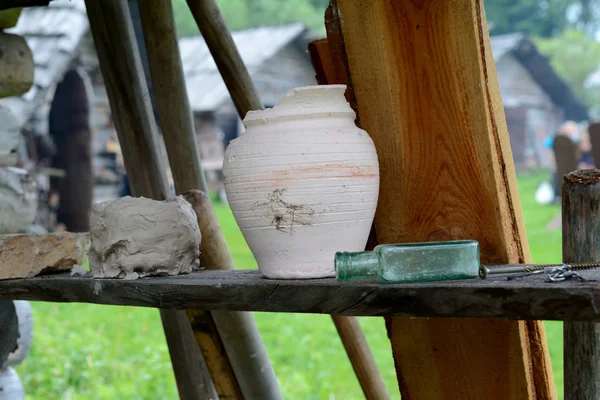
[[302, 183]]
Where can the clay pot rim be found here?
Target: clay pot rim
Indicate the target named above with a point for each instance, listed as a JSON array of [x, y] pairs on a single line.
[[284, 109]]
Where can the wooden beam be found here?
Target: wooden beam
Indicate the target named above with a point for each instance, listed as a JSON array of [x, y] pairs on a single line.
[[496, 297], [238, 331], [118, 54], [427, 93], [222, 47], [581, 242], [328, 71]]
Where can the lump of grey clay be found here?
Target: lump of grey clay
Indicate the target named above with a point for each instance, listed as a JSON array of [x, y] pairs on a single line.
[[136, 237]]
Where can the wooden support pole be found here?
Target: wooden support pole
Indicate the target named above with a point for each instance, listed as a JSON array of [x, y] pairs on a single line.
[[427, 92], [254, 375], [220, 43], [330, 70], [121, 67], [581, 242]]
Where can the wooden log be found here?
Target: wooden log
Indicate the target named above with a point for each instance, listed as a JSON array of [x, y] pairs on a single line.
[[238, 332], [427, 93], [23, 256], [222, 47], [581, 242], [330, 70], [118, 54], [496, 297], [9, 330], [16, 65]]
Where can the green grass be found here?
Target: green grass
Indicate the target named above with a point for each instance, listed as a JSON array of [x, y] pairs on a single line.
[[83, 351]]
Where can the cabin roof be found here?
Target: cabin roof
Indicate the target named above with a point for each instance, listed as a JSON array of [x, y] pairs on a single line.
[[524, 51], [206, 89]]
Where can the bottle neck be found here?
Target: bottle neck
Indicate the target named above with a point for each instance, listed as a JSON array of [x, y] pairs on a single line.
[[358, 265]]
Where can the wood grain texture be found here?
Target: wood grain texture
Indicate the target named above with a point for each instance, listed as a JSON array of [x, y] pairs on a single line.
[[494, 297], [121, 66], [581, 242], [229, 62], [330, 70], [427, 93]]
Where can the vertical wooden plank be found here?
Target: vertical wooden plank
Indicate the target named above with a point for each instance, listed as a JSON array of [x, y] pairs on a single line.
[[332, 71], [121, 67], [427, 93], [581, 243], [229, 340]]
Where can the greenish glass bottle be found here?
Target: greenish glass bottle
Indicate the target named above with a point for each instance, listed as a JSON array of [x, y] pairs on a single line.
[[411, 262]]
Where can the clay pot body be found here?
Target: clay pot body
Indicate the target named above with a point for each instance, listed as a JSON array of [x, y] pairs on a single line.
[[302, 183]]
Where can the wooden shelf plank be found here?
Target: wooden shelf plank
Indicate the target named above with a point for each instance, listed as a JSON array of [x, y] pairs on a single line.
[[531, 298]]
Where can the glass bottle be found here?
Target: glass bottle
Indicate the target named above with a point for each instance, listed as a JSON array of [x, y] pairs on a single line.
[[411, 262]]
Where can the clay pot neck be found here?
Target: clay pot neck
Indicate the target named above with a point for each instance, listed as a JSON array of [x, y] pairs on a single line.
[[305, 102]]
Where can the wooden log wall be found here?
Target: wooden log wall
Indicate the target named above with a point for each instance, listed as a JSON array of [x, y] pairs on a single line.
[[427, 92]]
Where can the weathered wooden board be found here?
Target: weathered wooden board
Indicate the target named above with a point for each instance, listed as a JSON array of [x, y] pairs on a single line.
[[581, 236], [332, 70], [427, 93], [496, 297]]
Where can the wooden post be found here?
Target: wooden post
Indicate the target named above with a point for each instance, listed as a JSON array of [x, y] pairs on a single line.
[[121, 67], [237, 330], [330, 70], [581, 242], [220, 43], [427, 92]]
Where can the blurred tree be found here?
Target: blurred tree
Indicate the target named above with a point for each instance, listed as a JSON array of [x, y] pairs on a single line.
[[244, 14], [544, 18], [575, 56]]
